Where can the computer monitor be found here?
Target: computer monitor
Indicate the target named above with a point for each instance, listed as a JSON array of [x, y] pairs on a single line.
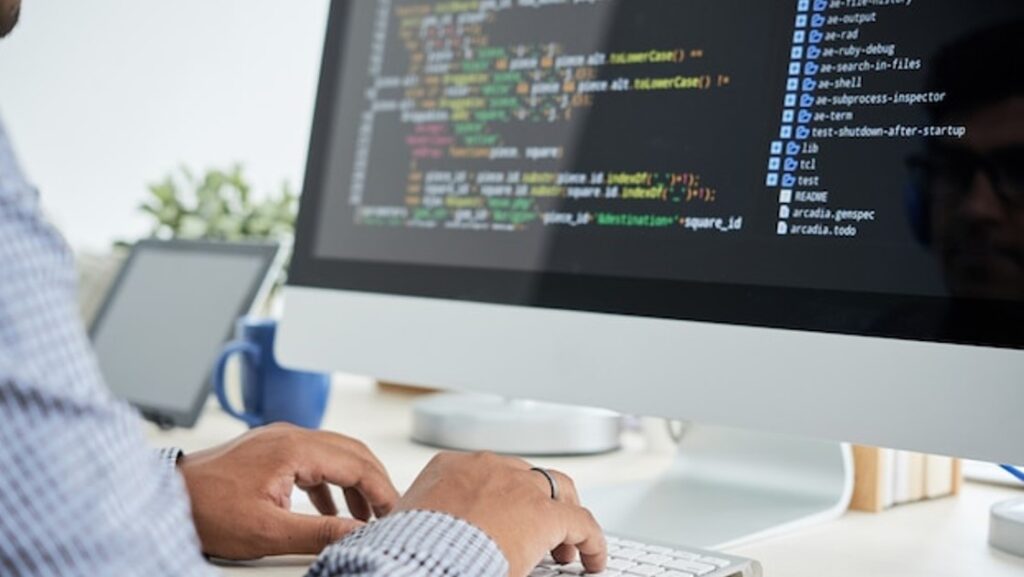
[[796, 216]]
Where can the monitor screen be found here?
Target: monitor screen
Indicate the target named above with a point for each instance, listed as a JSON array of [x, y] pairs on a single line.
[[851, 167]]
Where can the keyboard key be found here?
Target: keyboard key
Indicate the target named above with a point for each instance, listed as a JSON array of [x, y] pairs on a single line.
[[620, 564], [690, 566], [654, 559], [543, 572], [645, 570], [630, 553], [571, 569], [658, 549], [684, 555], [674, 573], [716, 561]]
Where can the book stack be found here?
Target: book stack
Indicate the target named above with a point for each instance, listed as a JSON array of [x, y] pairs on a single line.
[[885, 478]]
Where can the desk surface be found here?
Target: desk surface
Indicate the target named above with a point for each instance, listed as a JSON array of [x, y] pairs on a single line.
[[947, 537]]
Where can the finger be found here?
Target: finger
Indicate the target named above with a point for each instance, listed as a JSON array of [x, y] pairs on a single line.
[[583, 533], [565, 487], [295, 534], [350, 445], [357, 505], [320, 496], [565, 554], [567, 492], [389, 497], [349, 469]]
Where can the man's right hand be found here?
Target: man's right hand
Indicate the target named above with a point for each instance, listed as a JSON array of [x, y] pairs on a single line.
[[241, 491], [513, 505]]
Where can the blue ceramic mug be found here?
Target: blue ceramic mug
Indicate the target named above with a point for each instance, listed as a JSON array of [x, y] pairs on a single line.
[[270, 392]]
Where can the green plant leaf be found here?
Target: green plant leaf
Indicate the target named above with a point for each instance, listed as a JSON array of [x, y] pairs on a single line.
[[218, 205]]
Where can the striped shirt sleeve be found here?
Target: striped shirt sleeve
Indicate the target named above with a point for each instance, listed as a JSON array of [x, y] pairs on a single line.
[[413, 544], [169, 457], [81, 493]]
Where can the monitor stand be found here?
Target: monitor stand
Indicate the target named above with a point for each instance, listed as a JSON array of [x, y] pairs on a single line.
[[727, 487]]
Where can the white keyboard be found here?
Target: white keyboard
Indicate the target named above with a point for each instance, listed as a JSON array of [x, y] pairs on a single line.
[[632, 559]]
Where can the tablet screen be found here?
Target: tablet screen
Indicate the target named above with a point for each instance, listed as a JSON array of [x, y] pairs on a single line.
[[164, 324]]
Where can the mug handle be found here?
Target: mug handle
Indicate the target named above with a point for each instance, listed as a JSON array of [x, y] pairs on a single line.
[[250, 353]]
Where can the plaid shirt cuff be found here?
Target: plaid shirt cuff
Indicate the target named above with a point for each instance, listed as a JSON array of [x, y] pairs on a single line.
[[169, 457], [414, 544]]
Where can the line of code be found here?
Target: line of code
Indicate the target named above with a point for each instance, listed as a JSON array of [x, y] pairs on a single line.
[[463, 96]]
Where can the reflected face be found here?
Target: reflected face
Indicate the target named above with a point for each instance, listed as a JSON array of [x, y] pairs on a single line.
[[977, 200], [9, 11]]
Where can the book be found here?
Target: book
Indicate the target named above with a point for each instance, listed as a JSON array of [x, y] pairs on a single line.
[[887, 477], [939, 477]]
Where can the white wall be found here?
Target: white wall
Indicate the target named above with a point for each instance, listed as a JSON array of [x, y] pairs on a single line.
[[103, 96]]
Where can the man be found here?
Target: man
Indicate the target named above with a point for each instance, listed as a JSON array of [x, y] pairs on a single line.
[[80, 494], [972, 188], [966, 198]]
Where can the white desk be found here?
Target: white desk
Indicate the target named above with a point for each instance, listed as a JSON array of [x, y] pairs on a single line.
[[934, 539]]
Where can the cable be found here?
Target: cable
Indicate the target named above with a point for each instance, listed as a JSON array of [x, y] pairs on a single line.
[[676, 430], [1014, 471]]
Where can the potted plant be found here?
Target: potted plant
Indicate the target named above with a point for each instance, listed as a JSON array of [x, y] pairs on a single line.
[[217, 205]]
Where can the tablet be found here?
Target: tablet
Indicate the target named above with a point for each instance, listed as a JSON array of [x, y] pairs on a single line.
[[166, 317]]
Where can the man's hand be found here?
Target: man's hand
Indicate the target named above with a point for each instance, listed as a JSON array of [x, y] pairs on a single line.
[[513, 505], [241, 491]]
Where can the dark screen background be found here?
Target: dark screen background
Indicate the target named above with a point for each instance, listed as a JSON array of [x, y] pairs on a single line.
[[722, 134]]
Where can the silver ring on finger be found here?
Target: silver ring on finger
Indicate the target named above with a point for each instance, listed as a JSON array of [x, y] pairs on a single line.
[[551, 481]]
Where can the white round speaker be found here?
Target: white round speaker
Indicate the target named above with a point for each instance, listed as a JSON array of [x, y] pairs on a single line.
[[467, 422], [1006, 527]]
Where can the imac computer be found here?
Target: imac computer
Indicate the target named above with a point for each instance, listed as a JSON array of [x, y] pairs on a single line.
[[796, 223]]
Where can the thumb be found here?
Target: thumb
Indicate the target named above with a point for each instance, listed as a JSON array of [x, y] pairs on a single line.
[[298, 534]]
